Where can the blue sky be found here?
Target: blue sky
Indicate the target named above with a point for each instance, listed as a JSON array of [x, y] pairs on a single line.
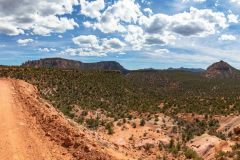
[[136, 33]]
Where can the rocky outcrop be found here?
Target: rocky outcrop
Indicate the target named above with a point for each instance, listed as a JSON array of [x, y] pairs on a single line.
[[207, 146], [72, 64], [221, 70]]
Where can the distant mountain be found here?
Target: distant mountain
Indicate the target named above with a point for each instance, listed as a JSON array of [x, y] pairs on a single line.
[[221, 69], [195, 70], [72, 64]]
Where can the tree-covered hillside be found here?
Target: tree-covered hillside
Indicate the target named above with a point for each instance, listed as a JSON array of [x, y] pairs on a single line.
[[116, 94]]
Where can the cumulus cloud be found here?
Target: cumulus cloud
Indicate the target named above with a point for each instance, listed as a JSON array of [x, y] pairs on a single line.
[[24, 42], [192, 28], [91, 42], [86, 41], [161, 29], [155, 39], [40, 16], [156, 23], [88, 24], [193, 23], [123, 11], [54, 24], [135, 37], [142, 29], [91, 45], [196, 22], [227, 37], [9, 29], [139, 39], [113, 44], [92, 9]]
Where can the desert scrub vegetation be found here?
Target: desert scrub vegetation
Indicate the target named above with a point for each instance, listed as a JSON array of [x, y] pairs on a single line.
[[190, 129], [191, 154], [90, 90], [143, 91]]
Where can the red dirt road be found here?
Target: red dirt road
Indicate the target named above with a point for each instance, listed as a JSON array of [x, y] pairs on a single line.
[[19, 138]]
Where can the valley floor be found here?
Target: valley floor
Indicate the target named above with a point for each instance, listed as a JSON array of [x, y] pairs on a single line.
[[31, 128]]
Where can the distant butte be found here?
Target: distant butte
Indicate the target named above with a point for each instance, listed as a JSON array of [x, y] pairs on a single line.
[[221, 69]]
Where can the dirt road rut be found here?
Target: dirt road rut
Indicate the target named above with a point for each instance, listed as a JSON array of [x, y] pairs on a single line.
[[19, 139]]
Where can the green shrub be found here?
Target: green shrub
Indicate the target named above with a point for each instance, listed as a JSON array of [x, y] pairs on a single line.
[[134, 125], [191, 154], [109, 128], [92, 123], [142, 122]]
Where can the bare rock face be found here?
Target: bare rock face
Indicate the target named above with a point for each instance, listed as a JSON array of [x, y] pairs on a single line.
[[207, 146], [221, 70]]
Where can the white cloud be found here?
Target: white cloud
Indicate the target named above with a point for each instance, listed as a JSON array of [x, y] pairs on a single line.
[[113, 44], [227, 37], [92, 9], [51, 24], [135, 37], [139, 39], [9, 29], [44, 50], [155, 39], [156, 23], [88, 24], [123, 11], [232, 18], [148, 11], [235, 1], [89, 41], [150, 31], [40, 16], [90, 45], [193, 23], [47, 49], [24, 42], [162, 29]]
